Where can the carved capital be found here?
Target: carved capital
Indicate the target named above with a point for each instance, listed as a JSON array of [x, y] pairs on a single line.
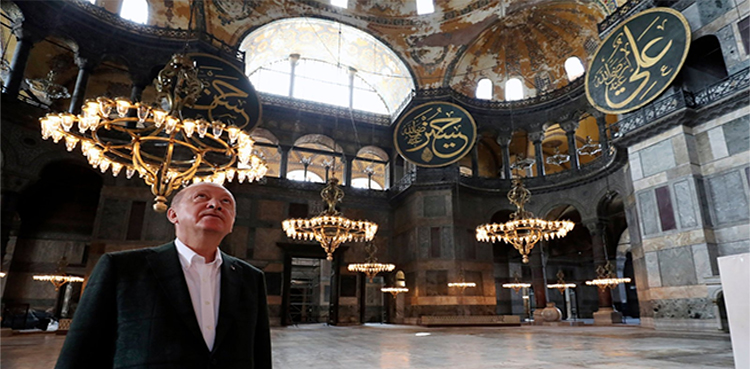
[[537, 136], [569, 126]]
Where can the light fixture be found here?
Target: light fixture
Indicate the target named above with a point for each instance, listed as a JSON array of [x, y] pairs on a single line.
[[522, 163], [164, 148], [370, 267], [558, 159], [561, 285], [589, 147], [60, 278], [523, 231], [2, 274], [400, 286], [46, 89], [606, 277], [330, 228], [516, 285], [461, 283]]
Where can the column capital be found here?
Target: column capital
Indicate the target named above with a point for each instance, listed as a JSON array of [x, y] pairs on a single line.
[[569, 126], [85, 62], [504, 140], [24, 32], [594, 225], [537, 136]]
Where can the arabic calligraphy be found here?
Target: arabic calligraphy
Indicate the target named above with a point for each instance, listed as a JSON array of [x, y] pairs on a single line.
[[638, 61], [228, 96], [435, 134]]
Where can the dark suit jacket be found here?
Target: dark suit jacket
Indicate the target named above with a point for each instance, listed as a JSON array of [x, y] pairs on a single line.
[[136, 312]]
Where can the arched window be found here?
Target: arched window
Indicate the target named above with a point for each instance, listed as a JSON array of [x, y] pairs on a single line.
[[513, 89], [574, 68], [425, 7], [327, 62], [484, 89], [134, 11], [302, 176], [365, 183], [340, 3]]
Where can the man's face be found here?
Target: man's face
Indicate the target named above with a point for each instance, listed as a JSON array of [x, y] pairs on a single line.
[[203, 207]]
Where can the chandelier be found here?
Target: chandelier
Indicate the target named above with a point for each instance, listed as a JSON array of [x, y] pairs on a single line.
[[330, 228], [558, 159], [462, 283], [400, 285], [165, 149], [371, 267], [606, 277], [589, 147], [60, 278], [561, 285], [523, 231], [516, 285]]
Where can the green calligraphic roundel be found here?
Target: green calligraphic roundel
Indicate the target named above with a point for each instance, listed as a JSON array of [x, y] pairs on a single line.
[[227, 96], [638, 61], [435, 134]]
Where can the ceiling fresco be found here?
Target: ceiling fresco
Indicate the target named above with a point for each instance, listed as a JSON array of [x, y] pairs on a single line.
[[431, 45]]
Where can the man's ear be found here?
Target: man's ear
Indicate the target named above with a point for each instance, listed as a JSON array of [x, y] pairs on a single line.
[[172, 215]]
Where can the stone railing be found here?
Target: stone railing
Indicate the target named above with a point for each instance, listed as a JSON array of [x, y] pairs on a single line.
[[326, 109], [651, 114], [728, 86], [623, 12]]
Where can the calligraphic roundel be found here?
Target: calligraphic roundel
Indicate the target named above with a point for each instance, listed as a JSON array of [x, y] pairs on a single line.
[[435, 134], [638, 61], [227, 96]]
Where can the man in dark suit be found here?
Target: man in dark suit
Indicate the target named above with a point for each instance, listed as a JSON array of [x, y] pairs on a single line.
[[182, 305]]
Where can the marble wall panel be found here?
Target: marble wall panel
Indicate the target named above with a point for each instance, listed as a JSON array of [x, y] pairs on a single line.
[[112, 219], [693, 17], [423, 242], [648, 213], [636, 172], [702, 260], [677, 267], [737, 135], [729, 48], [683, 194], [718, 143], [652, 269], [710, 10], [447, 244], [696, 308], [729, 201], [666, 211], [434, 206], [156, 227], [733, 248], [657, 158], [704, 147], [268, 210]]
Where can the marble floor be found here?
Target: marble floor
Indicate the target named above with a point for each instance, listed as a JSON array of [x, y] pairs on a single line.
[[396, 346]]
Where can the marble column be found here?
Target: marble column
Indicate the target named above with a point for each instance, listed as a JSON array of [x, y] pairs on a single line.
[[283, 165], [538, 281], [85, 66], [333, 301], [25, 42], [348, 168], [504, 142], [603, 140], [606, 315], [570, 132], [536, 138], [475, 160]]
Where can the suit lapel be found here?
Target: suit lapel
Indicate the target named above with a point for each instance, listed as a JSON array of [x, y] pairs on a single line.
[[166, 266], [231, 288]]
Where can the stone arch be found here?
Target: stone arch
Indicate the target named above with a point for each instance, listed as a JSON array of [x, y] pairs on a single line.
[[264, 135], [319, 139], [375, 151]]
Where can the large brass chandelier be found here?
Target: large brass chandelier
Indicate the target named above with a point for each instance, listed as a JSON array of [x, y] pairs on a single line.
[[371, 267], [523, 231], [330, 228], [165, 149]]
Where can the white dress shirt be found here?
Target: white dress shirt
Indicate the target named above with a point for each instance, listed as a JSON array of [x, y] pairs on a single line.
[[204, 283]]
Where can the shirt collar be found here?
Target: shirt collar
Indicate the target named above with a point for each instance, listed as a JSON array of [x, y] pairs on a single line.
[[188, 256]]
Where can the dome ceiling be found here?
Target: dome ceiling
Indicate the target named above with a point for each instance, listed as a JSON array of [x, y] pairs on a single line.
[[532, 44]]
